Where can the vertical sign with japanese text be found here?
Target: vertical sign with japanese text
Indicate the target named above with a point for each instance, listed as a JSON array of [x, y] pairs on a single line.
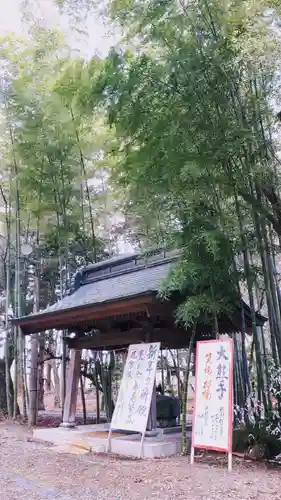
[[212, 419], [134, 397]]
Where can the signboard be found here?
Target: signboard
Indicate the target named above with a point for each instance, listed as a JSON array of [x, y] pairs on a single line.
[[134, 398], [213, 408]]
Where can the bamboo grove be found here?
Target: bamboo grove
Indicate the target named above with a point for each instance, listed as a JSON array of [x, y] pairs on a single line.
[[182, 117], [193, 106], [51, 215]]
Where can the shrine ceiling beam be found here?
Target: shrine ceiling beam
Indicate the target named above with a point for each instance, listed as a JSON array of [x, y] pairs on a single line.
[[169, 337]]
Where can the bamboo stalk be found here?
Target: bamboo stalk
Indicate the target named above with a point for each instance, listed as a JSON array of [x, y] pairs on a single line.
[[249, 281], [246, 377], [17, 335], [83, 400], [162, 372], [185, 391], [7, 302], [83, 168]]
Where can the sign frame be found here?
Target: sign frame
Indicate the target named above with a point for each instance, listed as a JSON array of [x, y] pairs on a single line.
[[227, 450], [142, 433]]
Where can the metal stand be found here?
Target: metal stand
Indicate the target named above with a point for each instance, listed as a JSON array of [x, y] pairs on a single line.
[[192, 453], [141, 444], [229, 459], [108, 444]]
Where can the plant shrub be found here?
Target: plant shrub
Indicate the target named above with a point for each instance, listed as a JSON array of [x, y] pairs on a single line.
[[259, 431]]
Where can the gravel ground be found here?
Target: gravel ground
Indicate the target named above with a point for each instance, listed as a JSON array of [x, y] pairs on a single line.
[[32, 471]]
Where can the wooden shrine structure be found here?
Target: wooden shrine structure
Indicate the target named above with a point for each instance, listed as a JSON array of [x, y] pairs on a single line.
[[115, 303]]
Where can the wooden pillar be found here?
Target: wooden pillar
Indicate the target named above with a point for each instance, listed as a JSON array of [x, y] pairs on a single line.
[[69, 412]]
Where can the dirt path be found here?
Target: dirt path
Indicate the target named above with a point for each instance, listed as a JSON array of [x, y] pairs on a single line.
[[33, 471]]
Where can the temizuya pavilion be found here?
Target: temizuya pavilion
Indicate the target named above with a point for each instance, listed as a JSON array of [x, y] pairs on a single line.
[[115, 303]]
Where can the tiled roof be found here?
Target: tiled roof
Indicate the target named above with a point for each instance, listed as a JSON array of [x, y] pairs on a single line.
[[137, 282], [121, 277]]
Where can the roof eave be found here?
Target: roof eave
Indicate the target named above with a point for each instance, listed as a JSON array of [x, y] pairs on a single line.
[[36, 323]]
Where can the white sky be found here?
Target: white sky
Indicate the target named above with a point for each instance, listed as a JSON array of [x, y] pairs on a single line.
[[99, 40]]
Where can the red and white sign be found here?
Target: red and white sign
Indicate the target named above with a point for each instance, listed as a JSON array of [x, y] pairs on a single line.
[[213, 406]]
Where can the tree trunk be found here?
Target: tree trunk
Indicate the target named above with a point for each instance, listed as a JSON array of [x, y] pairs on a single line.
[[33, 383], [23, 376], [3, 397], [63, 368], [41, 405], [33, 378], [7, 346], [17, 334], [162, 372], [49, 377], [57, 399], [9, 396], [83, 400], [97, 397], [178, 372], [15, 400], [250, 285]]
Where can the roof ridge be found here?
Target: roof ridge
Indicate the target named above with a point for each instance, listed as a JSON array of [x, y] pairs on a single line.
[[131, 270]]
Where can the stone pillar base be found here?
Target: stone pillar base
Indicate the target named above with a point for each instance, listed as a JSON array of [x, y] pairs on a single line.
[[152, 433], [68, 425]]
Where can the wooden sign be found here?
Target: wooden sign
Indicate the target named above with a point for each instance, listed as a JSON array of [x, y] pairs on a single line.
[[134, 397], [213, 407]]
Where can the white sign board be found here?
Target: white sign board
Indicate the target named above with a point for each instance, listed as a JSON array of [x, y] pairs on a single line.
[[134, 398], [213, 408]]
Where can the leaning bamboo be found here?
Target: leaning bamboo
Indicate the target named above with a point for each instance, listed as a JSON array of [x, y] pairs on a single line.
[[7, 303], [33, 378], [250, 284], [83, 400], [17, 299], [185, 391]]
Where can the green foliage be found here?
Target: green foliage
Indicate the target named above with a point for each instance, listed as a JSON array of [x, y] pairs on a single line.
[[274, 424], [197, 153], [261, 435], [192, 151], [105, 370], [187, 112], [204, 276], [51, 144]]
